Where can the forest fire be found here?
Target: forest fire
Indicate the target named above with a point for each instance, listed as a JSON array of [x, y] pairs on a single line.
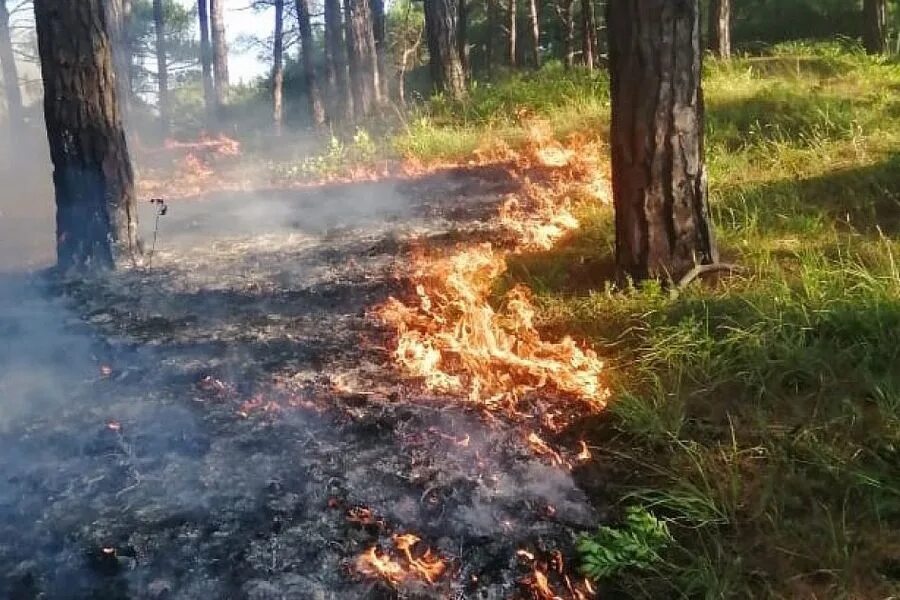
[[453, 338], [428, 567]]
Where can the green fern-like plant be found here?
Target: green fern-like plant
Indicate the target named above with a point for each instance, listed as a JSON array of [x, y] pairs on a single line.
[[636, 544]]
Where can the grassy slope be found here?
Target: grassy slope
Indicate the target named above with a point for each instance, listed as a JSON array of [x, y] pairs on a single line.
[[759, 414]]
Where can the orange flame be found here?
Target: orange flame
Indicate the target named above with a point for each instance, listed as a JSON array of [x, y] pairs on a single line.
[[428, 567]]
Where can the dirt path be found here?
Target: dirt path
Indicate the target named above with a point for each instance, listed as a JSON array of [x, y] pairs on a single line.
[[226, 424]]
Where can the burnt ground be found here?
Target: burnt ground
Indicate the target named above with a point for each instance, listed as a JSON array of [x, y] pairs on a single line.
[[202, 427]]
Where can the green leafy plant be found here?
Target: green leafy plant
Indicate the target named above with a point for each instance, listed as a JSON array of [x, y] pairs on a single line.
[[636, 544]]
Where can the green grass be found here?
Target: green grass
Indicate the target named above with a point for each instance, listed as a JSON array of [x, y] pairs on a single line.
[[759, 415]]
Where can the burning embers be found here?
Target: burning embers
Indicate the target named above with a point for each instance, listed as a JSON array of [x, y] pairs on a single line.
[[453, 338], [410, 560]]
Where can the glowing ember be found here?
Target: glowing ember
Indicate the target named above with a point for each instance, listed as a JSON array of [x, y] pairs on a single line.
[[105, 371], [427, 567], [585, 454]]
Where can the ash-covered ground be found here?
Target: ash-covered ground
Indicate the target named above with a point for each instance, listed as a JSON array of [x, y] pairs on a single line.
[[211, 425]]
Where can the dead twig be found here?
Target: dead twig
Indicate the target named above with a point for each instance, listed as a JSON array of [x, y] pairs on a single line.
[[700, 270]]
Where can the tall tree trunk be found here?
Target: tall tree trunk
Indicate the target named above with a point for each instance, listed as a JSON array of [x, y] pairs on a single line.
[[720, 28], [162, 65], [588, 41], [513, 25], [206, 60], [535, 33], [489, 47], [462, 36], [118, 20], [220, 53], [307, 44], [10, 73], [361, 56], [567, 19], [379, 32], [875, 33], [96, 217], [278, 68], [443, 50], [340, 97], [658, 171]]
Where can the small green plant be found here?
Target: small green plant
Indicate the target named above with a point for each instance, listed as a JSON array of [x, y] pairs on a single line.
[[634, 545]]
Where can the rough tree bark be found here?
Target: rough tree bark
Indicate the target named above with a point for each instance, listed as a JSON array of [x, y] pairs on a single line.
[[361, 56], [339, 94], [307, 45], [118, 20], [658, 171], [875, 32], [96, 217], [162, 65], [278, 68], [512, 25], [719, 34], [443, 51], [567, 19], [206, 60], [14, 107], [220, 53], [535, 33], [588, 41]]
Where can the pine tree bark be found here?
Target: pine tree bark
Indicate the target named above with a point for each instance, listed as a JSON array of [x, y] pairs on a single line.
[[206, 60], [10, 73], [361, 56], [118, 20], [339, 94], [278, 68], [567, 19], [443, 50], [162, 66], [512, 51], [220, 53], [720, 28], [663, 224], [307, 45], [535, 34], [875, 32], [96, 216], [588, 41]]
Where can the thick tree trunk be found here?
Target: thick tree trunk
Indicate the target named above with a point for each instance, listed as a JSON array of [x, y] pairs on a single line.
[[361, 56], [875, 33], [96, 214], [379, 32], [162, 65], [513, 26], [462, 36], [588, 41], [340, 98], [10, 73], [443, 50], [307, 45], [206, 60], [720, 28], [535, 33], [118, 20], [220, 53], [567, 19], [278, 68], [658, 171]]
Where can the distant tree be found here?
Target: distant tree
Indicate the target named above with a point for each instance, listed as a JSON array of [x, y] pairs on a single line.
[[512, 25], [11, 88], [462, 35], [307, 43], [588, 33], [875, 32], [379, 31], [162, 65], [361, 56], [567, 20], [278, 68], [490, 10], [96, 219], [340, 104], [118, 20], [719, 36], [658, 171], [443, 51], [406, 25], [534, 13], [220, 52], [206, 59]]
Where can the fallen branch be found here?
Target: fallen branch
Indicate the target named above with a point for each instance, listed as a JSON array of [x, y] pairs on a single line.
[[700, 270]]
